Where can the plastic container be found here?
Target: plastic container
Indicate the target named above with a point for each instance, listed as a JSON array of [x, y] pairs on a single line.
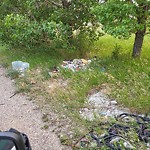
[[20, 66]]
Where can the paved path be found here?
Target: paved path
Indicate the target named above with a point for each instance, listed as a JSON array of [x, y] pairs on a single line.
[[19, 113]]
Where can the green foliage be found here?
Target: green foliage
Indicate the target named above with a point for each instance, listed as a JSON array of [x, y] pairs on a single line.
[[18, 30], [39, 56], [116, 18], [120, 18], [32, 22], [11, 6], [83, 44], [75, 14]]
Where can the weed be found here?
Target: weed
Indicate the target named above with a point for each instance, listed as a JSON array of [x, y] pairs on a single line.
[[45, 127], [64, 139], [23, 84], [13, 74], [116, 51], [5, 64], [45, 118]]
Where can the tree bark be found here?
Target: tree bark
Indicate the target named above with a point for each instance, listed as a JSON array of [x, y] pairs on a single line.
[[65, 3], [138, 42]]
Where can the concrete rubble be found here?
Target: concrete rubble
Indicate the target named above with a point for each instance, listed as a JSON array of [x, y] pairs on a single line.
[[102, 106]]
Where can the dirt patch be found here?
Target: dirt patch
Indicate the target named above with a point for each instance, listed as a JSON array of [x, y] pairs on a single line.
[[24, 115], [55, 84]]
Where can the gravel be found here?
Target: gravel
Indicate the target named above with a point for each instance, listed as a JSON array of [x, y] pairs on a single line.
[[19, 113]]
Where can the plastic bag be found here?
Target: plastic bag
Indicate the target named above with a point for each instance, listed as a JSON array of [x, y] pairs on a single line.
[[20, 66]]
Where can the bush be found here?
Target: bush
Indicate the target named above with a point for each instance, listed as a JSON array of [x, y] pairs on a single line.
[[18, 30]]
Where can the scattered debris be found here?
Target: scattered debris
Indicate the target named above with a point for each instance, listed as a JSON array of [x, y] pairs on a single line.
[[76, 64], [13, 95], [124, 133], [102, 106], [119, 135], [73, 65]]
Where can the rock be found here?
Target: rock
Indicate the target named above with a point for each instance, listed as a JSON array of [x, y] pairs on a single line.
[[102, 106]]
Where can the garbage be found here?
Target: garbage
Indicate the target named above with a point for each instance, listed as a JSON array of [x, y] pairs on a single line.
[[102, 105], [113, 102], [126, 144], [76, 64], [20, 66], [119, 135], [73, 65], [54, 72]]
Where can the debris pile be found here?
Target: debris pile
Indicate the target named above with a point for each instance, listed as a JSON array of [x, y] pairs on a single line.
[[73, 65], [76, 64], [129, 131], [101, 106]]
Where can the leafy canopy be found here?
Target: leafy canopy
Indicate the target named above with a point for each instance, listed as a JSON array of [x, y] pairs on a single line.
[[120, 17], [30, 22]]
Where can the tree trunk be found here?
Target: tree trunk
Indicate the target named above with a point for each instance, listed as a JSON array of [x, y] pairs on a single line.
[[138, 42], [65, 3], [140, 33]]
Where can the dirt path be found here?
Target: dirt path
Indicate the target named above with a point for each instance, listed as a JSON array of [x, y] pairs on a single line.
[[19, 113]]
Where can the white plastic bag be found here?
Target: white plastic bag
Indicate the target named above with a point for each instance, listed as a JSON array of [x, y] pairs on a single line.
[[20, 66]]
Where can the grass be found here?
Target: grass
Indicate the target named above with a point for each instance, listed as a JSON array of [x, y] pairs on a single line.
[[36, 57], [130, 85], [128, 79]]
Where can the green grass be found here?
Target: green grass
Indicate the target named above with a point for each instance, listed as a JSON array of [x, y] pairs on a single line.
[[129, 79], [35, 57], [105, 46], [131, 83]]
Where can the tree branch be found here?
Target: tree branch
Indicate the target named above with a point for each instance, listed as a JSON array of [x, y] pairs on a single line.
[[66, 3], [57, 4]]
